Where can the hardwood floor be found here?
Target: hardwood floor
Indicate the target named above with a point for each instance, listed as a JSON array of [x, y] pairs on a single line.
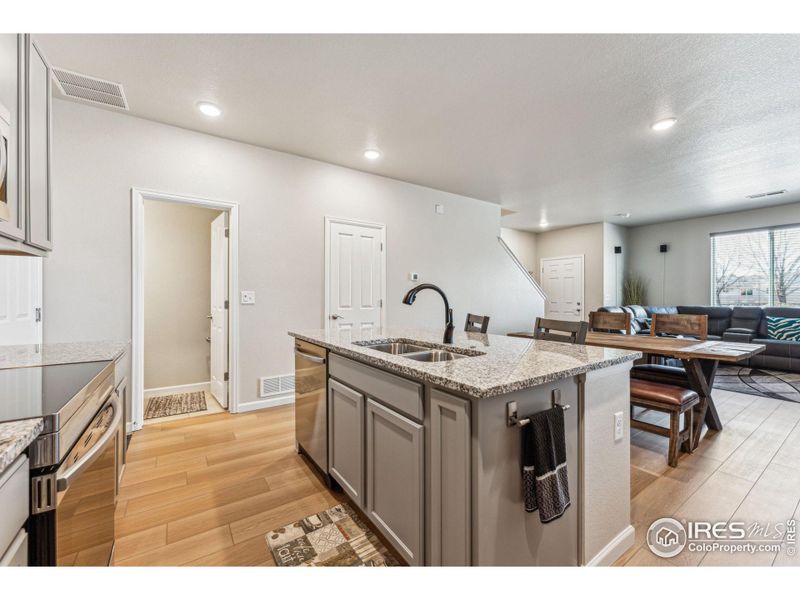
[[205, 491], [747, 472]]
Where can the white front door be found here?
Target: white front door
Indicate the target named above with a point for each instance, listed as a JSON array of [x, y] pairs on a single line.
[[355, 278], [20, 300], [219, 310], [562, 281]]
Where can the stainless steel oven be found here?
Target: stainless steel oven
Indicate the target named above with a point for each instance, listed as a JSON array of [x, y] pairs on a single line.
[[73, 461]]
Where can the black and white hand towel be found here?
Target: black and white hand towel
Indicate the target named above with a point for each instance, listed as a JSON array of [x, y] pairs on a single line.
[[544, 465]]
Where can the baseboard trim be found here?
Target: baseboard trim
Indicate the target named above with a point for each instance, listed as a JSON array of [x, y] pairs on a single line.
[[266, 403], [202, 386], [614, 549]]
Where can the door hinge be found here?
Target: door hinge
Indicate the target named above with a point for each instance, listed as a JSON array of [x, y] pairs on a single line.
[[381, 246], [226, 304], [227, 232], [380, 303], [225, 377], [38, 315]]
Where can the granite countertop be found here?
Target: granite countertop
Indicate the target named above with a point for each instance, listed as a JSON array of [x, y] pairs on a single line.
[[505, 364], [15, 437], [59, 353]]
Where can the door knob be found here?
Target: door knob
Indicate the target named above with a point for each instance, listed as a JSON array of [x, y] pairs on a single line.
[[334, 317]]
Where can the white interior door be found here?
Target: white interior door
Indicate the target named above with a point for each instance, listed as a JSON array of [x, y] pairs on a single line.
[[562, 281], [355, 279], [219, 310], [20, 300]]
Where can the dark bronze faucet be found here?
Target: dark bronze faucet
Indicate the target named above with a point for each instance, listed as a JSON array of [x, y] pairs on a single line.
[[411, 295]]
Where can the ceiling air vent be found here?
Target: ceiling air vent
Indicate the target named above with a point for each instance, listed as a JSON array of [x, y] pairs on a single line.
[[765, 194], [90, 89]]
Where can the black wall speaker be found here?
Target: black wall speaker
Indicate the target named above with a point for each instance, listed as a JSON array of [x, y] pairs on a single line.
[[617, 249], [663, 248]]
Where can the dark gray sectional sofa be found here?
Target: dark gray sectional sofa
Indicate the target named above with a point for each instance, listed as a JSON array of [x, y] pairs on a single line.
[[732, 324]]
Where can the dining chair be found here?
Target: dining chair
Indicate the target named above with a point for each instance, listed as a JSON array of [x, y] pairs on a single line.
[[571, 332], [610, 322], [673, 400], [691, 325], [476, 323]]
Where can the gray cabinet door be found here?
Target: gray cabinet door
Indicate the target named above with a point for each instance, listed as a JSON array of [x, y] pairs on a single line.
[[395, 473], [38, 139], [450, 481], [346, 439], [12, 78]]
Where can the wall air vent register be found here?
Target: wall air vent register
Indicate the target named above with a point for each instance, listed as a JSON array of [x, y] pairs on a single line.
[[90, 89]]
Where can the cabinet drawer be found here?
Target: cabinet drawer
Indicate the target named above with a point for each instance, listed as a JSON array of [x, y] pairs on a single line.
[[17, 553], [14, 488], [401, 394]]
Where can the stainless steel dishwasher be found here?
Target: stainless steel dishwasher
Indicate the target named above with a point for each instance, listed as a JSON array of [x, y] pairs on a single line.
[[311, 403]]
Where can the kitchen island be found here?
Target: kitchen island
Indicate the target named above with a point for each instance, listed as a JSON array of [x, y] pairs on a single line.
[[424, 439]]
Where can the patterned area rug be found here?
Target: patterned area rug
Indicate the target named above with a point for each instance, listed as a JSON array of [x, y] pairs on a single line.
[[175, 404], [336, 537], [761, 382]]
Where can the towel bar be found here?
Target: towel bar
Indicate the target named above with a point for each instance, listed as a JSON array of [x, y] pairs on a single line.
[[512, 418]]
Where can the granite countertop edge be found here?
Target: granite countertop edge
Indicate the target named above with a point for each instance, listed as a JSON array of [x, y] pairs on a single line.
[[60, 353], [465, 388], [15, 437]]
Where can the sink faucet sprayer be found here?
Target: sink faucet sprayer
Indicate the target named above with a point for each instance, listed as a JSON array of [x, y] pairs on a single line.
[[411, 295]]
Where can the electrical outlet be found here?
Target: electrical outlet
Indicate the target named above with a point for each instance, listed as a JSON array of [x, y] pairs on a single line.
[[248, 297], [619, 426]]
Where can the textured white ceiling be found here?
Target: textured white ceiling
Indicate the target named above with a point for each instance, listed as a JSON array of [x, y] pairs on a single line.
[[549, 126]]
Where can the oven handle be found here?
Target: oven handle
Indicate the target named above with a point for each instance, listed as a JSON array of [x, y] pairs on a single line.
[[64, 480]]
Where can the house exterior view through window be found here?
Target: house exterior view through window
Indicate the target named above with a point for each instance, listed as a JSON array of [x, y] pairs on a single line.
[[756, 268]]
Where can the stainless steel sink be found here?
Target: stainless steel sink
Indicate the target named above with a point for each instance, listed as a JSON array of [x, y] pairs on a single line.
[[397, 348], [434, 356]]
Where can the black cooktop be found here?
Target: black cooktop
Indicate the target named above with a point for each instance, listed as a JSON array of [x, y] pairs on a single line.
[[42, 391]]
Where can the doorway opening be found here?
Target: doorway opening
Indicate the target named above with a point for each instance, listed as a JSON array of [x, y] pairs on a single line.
[[184, 333]]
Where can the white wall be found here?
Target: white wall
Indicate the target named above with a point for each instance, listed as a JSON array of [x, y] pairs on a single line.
[[99, 155], [614, 265], [177, 293], [523, 245], [688, 261]]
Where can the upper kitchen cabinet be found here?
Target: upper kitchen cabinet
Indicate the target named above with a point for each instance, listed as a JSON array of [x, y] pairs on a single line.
[[38, 142], [12, 84], [25, 120]]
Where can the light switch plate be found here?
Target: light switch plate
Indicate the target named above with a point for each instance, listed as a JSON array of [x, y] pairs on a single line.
[[619, 426], [248, 297], [440, 209], [413, 276]]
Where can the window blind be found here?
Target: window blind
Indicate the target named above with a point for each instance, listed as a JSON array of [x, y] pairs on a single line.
[[756, 267]]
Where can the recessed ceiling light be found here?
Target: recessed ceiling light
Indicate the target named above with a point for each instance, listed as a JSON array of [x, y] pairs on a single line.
[[372, 154], [663, 124], [208, 109], [623, 215], [544, 224]]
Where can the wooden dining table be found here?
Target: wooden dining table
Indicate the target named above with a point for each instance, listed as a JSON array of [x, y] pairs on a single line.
[[700, 360]]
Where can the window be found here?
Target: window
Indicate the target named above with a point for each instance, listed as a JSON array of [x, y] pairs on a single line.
[[756, 268]]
